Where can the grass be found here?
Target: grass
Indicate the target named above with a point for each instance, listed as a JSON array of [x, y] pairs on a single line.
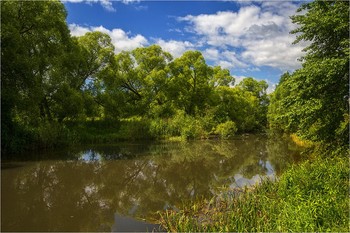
[[312, 196]]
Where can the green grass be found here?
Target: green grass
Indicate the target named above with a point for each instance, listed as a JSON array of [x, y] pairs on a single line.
[[312, 196]]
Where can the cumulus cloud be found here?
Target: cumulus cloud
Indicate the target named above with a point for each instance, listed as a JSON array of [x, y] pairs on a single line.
[[211, 54], [120, 39], [226, 59], [260, 33], [175, 48], [277, 53], [76, 30]]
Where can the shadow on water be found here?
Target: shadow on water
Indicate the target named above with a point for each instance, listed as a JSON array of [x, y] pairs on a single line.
[[11, 165], [108, 188]]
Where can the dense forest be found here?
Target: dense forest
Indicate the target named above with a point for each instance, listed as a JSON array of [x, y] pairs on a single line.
[[59, 89]]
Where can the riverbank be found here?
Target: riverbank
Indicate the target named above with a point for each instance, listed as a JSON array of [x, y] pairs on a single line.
[[180, 127], [312, 196]]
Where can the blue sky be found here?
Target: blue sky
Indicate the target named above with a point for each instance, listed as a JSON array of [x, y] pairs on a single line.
[[251, 39]]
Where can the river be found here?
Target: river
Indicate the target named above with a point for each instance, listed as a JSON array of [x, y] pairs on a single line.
[[121, 187]]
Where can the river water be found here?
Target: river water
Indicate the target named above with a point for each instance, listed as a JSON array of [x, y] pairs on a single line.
[[121, 187]]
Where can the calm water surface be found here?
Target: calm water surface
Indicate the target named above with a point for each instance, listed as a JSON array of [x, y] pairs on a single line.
[[117, 187]]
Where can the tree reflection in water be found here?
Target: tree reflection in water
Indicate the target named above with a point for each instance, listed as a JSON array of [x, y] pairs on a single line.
[[96, 184]]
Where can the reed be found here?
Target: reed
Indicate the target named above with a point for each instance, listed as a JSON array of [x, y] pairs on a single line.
[[312, 196]]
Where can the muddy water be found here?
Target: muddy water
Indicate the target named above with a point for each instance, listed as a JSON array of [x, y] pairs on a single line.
[[121, 187]]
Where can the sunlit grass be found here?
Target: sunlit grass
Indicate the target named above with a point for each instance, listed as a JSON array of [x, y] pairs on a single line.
[[312, 196]]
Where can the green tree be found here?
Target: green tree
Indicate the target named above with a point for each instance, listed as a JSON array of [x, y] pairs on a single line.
[[313, 101], [136, 81], [153, 70], [221, 77], [33, 37], [190, 82], [258, 89], [78, 84], [237, 105]]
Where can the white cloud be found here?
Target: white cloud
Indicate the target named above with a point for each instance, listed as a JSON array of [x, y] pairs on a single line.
[[226, 59], [271, 88], [238, 79], [141, 8], [120, 39], [130, 1], [175, 48], [107, 4], [261, 34], [211, 54], [76, 30], [277, 53], [232, 58]]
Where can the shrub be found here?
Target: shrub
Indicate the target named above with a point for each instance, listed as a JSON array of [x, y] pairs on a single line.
[[158, 128], [135, 128], [226, 130], [51, 134]]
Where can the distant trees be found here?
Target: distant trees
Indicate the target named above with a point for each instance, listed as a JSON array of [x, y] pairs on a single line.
[[313, 101]]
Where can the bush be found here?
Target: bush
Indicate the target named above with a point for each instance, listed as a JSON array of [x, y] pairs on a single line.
[[226, 130], [193, 129], [158, 128], [186, 126], [135, 128], [51, 134]]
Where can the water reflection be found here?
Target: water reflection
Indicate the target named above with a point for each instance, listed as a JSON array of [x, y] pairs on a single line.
[[100, 187]]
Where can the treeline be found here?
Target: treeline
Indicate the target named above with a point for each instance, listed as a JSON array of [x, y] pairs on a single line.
[[59, 89], [313, 102]]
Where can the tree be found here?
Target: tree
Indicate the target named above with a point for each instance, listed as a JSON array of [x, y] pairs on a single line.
[[221, 77], [313, 101], [33, 37], [136, 81], [78, 81], [190, 82], [257, 89], [237, 105]]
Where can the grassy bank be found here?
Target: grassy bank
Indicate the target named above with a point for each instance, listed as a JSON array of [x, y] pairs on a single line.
[[312, 196]]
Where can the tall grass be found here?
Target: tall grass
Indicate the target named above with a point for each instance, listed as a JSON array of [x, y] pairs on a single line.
[[312, 196]]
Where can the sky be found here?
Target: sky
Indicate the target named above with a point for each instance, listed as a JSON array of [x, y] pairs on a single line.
[[251, 39]]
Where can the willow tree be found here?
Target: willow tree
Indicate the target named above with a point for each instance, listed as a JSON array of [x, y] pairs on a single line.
[[33, 37]]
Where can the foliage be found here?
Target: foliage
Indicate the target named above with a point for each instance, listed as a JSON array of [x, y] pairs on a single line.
[[239, 106], [52, 81], [190, 82], [32, 41], [226, 130], [313, 101], [312, 196]]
